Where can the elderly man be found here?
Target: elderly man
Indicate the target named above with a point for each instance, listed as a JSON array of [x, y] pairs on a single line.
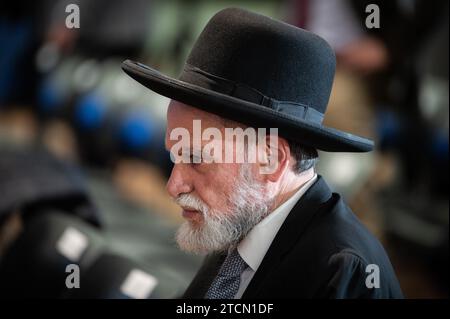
[[270, 226]]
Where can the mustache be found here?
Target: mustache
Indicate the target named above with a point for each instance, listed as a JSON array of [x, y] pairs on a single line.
[[192, 202]]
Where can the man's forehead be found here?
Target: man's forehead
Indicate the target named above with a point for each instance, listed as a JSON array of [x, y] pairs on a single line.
[[180, 115], [183, 115]]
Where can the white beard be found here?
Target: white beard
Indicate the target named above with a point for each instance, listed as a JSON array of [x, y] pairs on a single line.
[[223, 230]]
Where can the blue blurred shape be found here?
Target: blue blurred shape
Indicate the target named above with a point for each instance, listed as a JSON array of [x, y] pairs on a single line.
[[136, 131], [440, 145], [90, 111], [50, 98], [388, 127]]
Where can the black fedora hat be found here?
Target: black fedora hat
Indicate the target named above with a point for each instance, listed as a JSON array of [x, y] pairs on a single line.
[[261, 72]]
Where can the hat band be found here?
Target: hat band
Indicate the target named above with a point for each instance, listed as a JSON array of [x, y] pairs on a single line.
[[215, 83]]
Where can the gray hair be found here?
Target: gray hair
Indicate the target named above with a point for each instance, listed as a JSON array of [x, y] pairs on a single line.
[[305, 156]]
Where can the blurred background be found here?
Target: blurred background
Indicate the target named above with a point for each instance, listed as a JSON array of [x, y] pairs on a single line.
[[82, 160]]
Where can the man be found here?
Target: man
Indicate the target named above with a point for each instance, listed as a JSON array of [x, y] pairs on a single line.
[[271, 227]]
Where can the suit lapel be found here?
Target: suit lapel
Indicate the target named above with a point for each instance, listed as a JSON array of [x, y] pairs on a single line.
[[290, 232]]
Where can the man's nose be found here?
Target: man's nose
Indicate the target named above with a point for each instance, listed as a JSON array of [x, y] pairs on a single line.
[[179, 181]]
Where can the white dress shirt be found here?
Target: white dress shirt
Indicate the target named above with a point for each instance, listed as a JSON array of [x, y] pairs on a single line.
[[254, 246]]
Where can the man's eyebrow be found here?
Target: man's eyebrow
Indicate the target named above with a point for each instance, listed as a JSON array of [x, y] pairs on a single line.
[[192, 150]]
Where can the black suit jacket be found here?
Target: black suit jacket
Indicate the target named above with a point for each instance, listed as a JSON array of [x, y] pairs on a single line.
[[320, 251]]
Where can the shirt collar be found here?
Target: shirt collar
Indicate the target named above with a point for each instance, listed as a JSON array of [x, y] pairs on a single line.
[[254, 246]]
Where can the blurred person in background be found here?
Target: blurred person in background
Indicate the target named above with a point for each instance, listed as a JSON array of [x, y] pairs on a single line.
[[401, 71]]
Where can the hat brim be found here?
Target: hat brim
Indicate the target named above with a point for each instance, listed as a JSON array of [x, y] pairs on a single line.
[[310, 134]]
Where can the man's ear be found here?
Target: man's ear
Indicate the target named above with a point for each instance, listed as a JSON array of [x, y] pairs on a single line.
[[274, 157]]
